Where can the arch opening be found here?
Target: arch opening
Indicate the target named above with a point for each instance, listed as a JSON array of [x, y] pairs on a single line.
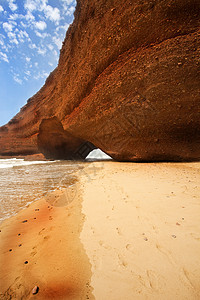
[[97, 154]]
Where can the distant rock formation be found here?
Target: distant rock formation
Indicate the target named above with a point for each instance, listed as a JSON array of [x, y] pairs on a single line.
[[127, 82]]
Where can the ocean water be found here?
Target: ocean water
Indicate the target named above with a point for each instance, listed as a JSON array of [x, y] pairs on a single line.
[[22, 182]]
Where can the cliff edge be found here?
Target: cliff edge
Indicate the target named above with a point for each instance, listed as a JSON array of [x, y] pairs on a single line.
[[127, 82]]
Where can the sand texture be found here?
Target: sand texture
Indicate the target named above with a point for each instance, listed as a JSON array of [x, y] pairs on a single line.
[[142, 231], [124, 231], [46, 235]]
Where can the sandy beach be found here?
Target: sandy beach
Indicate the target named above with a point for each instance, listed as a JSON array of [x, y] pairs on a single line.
[[123, 231]]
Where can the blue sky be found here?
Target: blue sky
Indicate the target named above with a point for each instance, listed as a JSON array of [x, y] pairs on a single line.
[[31, 35]]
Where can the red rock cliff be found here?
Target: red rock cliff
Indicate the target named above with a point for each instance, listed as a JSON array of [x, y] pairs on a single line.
[[128, 82]]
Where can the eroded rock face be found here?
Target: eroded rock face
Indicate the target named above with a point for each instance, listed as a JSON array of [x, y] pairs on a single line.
[[55, 142], [128, 82]]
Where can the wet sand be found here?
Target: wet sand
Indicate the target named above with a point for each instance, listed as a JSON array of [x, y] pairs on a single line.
[[124, 231], [40, 246]]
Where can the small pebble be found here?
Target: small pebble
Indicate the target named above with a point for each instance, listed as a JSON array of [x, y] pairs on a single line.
[[10, 250], [146, 239], [37, 209], [178, 223], [19, 234], [183, 219], [34, 218], [35, 290], [26, 262], [24, 221], [174, 236], [20, 245]]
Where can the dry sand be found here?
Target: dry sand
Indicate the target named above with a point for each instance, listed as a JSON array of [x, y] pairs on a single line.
[[126, 231], [142, 230]]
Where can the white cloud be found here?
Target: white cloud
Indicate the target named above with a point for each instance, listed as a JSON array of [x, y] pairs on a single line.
[[2, 37], [12, 5], [3, 56], [30, 5], [28, 73], [62, 27], [26, 35], [42, 51], [17, 79], [12, 37], [66, 26], [41, 35], [38, 34], [50, 47], [52, 13], [7, 26], [40, 75], [23, 24], [70, 11], [36, 4], [21, 34], [32, 46], [5, 47], [55, 53], [29, 16], [68, 2], [14, 17], [41, 25], [58, 41]]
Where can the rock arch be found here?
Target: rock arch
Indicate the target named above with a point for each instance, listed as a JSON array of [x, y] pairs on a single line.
[[56, 143]]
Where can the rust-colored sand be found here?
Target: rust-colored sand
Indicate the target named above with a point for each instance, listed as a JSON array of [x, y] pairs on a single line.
[[40, 246], [125, 231]]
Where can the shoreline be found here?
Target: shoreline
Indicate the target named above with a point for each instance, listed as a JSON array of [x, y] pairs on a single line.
[[30, 157], [123, 231], [40, 246]]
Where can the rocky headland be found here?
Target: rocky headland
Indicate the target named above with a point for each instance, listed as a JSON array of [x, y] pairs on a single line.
[[127, 82]]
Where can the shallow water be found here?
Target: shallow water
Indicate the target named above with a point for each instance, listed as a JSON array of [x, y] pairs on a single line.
[[22, 182]]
